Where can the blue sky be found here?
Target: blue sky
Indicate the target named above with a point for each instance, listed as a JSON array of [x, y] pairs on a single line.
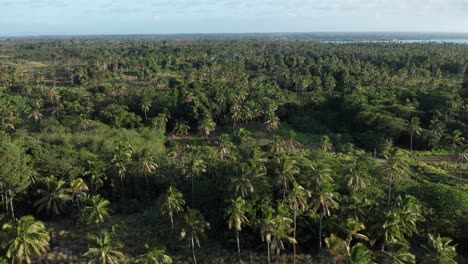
[[57, 17]]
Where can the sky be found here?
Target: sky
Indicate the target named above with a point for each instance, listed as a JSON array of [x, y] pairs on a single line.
[[90, 17]]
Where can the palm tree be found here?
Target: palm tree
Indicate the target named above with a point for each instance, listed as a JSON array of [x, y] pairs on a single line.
[[36, 115], [181, 129], [352, 229], [97, 210], [396, 166], [298, 201], [398, 254], [27, 239], [277, 147], [319, 174], [122, 158], [439, 250], [78, 188], [104, 249], [196, 167], [145, 107], [337, 248], [267, 229], [195, 227], [146, 164], [326, 144], [462, 158], [360, 254], [286, 171], [272, 122], [236, 218], [414, 128], [53, 197], [290, 141], [242, 183], [356, 180], [275, 231], [324, 200], [207, 125], [225, 146], [456, 139], [154, 255], [173, 203], [401, 221]]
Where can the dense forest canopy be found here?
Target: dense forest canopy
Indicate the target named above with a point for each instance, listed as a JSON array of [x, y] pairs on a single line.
[[222, 151]]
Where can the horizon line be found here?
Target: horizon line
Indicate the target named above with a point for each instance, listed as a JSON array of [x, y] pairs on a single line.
[[233, 33]]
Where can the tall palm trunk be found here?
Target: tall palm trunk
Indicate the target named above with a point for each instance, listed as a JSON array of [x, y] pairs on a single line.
[[411, 142], [238, 245], [320, 232], [193, 252], [269, 253], [193, 190], [11, 205], [389, 190], [285, 188], [294, 234], [172, 222], [277, 254]]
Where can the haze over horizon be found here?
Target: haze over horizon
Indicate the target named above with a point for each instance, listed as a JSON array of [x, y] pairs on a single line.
[[104, 17]]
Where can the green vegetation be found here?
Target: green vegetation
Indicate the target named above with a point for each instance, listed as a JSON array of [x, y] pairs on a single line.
[[226, 151]]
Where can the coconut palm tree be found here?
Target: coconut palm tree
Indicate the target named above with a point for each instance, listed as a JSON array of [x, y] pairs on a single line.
[[195, 168], [225, 146], [462, 158], [154, 255], [146, 164], [104, 249], [122, 159], [96, 211], [237, 218], [53, 197], [396, 167], [207, 125], [297, 199], [173, 203], [360, 254], [290, 143], [242, 183], [272, 122], [401, 221], [287, 169], [319, 174], [78, 188], [145, 107], [414, 128], [36, 115], [398, 253], [275, 231], [456, 139], [356, 177], [326, 144], [353, 228], [266, 230], [277, 147], [181, 129], [439, 250], [27, 239], [323, 201], [195, 227]]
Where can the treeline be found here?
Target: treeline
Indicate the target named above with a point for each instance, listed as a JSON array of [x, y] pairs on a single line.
[[257, 146]]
